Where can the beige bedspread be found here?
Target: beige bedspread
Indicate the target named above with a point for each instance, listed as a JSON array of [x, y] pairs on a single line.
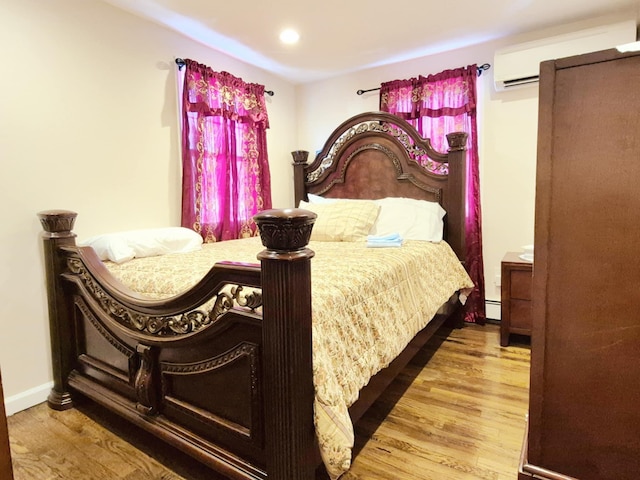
[[368, 303]]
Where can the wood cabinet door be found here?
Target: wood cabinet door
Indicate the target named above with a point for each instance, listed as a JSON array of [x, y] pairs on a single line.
[[584, 417], [6, 470]]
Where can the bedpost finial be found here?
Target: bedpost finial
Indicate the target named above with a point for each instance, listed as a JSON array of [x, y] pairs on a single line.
[[300, 156], [285, 230], [57, 222], [457, 141]]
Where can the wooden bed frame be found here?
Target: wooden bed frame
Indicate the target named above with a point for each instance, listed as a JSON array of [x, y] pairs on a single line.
[[233, 388]]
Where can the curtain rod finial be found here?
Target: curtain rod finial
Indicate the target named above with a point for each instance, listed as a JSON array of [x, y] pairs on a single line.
[[482, 68]]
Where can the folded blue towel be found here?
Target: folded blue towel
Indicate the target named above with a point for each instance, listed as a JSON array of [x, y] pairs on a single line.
[[391, 237], [390, 240]]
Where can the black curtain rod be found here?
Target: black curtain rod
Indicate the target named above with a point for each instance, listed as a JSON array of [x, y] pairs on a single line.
[[481, 68], [181, 63]]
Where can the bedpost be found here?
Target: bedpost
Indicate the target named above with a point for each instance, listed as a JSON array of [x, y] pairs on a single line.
[[58, 225], [299, 163], [287, 359], [456, 203]]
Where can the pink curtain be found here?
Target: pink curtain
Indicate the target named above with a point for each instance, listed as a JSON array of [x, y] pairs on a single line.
[[437, 105], [225, 167]]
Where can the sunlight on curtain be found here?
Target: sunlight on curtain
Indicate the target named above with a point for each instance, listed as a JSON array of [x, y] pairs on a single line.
[[436, 105], [225, 167]]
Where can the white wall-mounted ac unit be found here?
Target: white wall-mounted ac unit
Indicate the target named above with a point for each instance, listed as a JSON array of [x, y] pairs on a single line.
[[520, 64]]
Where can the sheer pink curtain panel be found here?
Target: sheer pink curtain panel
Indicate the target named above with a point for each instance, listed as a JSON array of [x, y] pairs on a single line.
[[436, 105], [224, 153]]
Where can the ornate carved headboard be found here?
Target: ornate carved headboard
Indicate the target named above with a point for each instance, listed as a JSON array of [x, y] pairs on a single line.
[[375, 155]]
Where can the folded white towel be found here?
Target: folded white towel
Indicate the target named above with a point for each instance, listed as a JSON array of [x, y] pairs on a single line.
[[384, 244]]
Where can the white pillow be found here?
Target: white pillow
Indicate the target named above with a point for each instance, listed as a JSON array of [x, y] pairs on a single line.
[[412, 219], [317, 199], [122, 246]]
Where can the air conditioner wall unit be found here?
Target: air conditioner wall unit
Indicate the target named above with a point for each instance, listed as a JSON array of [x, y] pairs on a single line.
[[519, 65]]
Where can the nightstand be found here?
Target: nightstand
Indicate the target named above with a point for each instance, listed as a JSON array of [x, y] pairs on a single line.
[[516, 279]]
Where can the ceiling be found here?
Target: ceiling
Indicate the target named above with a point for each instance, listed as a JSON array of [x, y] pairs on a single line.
[[343, 36]]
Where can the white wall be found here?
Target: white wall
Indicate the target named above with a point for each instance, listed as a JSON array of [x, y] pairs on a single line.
[[88, 122]]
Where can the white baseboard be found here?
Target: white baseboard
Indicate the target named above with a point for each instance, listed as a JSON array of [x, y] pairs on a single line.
[[492, 309], [29, 398]]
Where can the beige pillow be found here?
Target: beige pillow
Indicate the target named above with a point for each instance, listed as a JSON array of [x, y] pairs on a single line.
[[342, 221]]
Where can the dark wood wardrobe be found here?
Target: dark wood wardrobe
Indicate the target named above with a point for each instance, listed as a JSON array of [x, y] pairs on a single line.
[[6, 471], [584, 412]]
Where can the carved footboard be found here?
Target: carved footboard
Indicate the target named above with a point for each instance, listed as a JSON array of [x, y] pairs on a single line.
[[222, 372]]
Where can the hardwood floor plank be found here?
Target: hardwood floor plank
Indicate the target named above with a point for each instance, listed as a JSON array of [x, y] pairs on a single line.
[[29, 465], [457, 412], [56, 437], [418, 455], [470, 399]]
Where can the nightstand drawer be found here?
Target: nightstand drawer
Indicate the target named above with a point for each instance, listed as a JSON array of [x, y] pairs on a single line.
[[520, 314], [515, 297], [520, 284]]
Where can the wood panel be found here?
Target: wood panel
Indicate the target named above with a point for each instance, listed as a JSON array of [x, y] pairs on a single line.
[[6, 471], [585, 420], [457, 412]]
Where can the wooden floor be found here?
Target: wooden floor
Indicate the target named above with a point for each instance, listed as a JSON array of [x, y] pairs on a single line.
[[457, 412]]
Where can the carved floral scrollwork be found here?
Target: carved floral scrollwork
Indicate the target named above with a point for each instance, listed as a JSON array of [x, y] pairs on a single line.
[[225, 301], [251, 300], [57, 221], [243, 350], [174, 325], [285, 236], [285, 230], [437, 193], [144, 380], [414, 151]]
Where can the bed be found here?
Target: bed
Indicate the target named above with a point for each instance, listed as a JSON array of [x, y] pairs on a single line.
[[227, 367]]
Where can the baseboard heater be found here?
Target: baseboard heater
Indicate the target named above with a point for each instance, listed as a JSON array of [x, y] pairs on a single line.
[[492, 308]]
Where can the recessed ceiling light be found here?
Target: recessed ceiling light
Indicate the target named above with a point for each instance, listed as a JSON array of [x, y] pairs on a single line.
[[289, 36]]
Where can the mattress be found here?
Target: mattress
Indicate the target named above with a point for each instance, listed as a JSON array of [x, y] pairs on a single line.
[[367, 304]]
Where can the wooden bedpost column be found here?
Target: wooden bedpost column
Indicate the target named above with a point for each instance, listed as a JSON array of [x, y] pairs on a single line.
[[287, 357], [58, 225], [456, 230], [299, 163]]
